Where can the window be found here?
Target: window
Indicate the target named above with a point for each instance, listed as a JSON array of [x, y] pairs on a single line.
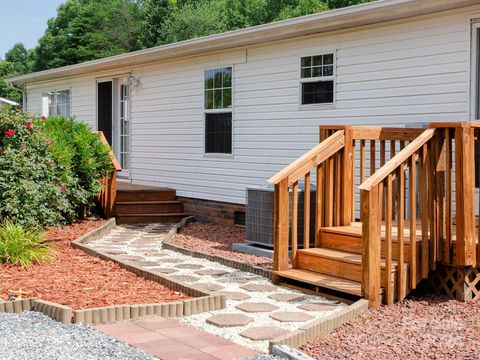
[[317, 79], [218, 111], [56, 103]]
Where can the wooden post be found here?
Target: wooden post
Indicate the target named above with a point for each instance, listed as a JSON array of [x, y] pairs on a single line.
[[281, 224], [465, 196], [371, 222], [348, 168]]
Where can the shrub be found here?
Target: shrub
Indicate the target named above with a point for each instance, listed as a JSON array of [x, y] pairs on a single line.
[[82, 156], [49, 168], [23, 247]]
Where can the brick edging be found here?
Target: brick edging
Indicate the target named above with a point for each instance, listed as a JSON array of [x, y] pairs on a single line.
[[322, 326], [56, 311], [167, 244]]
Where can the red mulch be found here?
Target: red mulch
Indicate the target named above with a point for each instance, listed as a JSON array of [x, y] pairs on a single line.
[[422, 328], [81, 281], [217, 239]]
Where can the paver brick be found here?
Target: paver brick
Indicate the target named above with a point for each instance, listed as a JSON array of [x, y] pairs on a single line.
[[186, 278], [235, 295], [317, 307], [258, 287], [211, 272], [286, 297], [209, 287], [189, 266]]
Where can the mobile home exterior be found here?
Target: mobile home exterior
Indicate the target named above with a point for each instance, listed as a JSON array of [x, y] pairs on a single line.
[[210, 117]]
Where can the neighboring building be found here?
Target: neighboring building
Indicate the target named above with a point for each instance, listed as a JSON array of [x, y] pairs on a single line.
[[211, 116], [4, 101]]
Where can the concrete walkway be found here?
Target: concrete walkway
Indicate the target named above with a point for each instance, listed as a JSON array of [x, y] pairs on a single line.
[[257, 311], [168, 339]]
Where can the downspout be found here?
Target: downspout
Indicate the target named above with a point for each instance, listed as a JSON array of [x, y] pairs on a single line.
[[24, 94]]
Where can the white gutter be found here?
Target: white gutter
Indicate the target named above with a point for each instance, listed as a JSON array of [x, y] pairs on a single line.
[[358, 15], [9, 102]]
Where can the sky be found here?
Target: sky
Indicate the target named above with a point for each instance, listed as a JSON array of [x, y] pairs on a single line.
[[24, 21]]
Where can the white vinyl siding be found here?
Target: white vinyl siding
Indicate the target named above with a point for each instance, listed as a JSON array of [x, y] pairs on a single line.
[[392, 74]]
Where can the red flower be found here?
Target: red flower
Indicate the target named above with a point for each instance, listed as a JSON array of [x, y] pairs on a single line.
[[63, 188], [44, 117], [28, 124], [10, 132]]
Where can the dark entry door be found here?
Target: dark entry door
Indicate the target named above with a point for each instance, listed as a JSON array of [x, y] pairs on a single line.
[[105, 108]]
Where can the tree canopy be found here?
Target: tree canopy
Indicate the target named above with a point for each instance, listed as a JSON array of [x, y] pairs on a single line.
[[84, 30]]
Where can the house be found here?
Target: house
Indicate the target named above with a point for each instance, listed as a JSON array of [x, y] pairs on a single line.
[[210, 116], [4, 101]]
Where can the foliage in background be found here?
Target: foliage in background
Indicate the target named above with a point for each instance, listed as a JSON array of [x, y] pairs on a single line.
[[21, 246], [47, 179]]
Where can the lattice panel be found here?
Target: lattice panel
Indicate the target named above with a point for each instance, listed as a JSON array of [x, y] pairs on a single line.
[[457, 283]]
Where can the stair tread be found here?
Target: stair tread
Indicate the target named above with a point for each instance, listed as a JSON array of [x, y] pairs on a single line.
[[148, 202], [323, 280], [355, 230], [343, 256]]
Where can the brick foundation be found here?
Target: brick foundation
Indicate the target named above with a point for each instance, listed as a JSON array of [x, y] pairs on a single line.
[[211, 211]]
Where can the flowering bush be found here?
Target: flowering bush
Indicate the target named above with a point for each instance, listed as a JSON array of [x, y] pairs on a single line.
[[42, 182]]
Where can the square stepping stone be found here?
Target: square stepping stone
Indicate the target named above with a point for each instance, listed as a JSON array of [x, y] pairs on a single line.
[[211, 272], [235, 295], [229, 320], [255, 307], [317, 307], [286, 297], [258, 287], [263, 333], [189, 266], [291, 316], [209, 287], [185, 278]]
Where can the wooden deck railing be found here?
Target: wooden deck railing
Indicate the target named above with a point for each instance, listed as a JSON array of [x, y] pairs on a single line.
[[108, 194], [413, 182]]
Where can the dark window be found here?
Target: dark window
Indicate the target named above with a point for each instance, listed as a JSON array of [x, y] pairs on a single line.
[[320, 92], [218, 133], [316, 76]]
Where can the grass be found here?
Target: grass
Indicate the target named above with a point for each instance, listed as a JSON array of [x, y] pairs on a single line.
[[22, 246]]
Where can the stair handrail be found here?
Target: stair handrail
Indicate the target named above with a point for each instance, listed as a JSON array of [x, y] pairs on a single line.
[[297, 169], [108, 194], [378, 195], [382, 173]]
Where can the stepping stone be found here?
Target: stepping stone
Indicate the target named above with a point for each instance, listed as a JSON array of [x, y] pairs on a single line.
[[171, 260], [115, 252], [256, 307], [131, 257], [189, 266], [147, 263], [209, 287], [235, 295], [317, 307], [154, 254], [291, 316], [258, 287], [164, 270], [211, 272], [285, 297], [263, 333], [229, 320], [185, 278]]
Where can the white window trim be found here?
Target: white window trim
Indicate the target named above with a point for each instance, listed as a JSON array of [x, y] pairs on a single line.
[[45, 105], [333, 78], [231, 109]]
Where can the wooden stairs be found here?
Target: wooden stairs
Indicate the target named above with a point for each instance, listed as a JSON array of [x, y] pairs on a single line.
[[139, 204], [335, 265]]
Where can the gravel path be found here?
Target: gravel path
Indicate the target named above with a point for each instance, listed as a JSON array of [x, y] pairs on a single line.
[[34, 336], [253, 303], [424, 328]]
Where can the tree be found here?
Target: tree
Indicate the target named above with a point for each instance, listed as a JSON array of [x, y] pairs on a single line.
[[20, 58], [194, 20], [7, 70], [88, 29], [154, 14], [301, 8]]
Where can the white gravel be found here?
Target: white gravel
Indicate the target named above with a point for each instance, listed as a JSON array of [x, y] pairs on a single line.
[[34, 336]]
